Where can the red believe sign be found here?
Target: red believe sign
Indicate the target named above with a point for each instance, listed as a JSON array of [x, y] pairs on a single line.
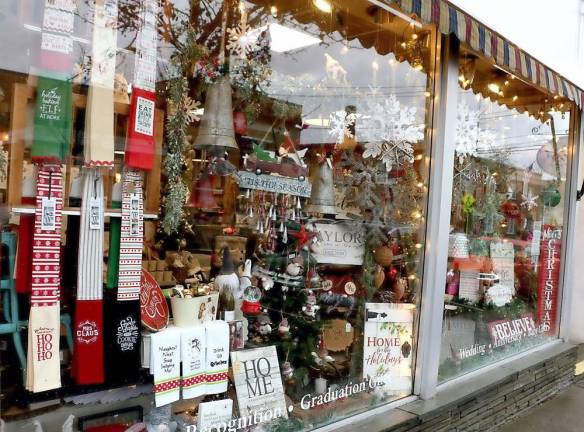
[[549, 275]]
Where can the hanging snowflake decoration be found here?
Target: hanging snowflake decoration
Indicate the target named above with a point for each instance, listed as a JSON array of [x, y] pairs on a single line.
[[467, 132], [188, 106], [389, 131], [239, 39], [529, 201], [342, 125]]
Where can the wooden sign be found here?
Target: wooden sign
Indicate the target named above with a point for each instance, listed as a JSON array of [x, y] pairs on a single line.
[[387, 351], [503, 258], [338, 335], [549, 276], [153, 307], [214, 415], [258, 383], [508, 331], [271, 183], [340, 244]]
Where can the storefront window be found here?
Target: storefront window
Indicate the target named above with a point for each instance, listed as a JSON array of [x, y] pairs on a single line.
[[502, 286], [263, 163]]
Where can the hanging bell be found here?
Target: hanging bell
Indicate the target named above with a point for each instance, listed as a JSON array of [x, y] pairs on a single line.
[[216, 129], [202, 194], [322, 198]]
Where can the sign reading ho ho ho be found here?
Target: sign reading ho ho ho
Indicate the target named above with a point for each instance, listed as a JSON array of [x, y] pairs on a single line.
[[270, 183]]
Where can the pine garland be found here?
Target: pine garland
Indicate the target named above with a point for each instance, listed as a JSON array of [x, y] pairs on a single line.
[[174, 163]]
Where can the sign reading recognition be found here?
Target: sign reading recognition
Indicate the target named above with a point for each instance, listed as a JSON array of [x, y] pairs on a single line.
[[340, 244], [549, 276], [387, 351], [258, 383]]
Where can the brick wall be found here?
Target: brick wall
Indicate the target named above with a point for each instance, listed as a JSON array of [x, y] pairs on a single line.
[[499, 403]]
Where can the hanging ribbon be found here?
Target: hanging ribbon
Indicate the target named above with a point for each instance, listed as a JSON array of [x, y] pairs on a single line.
[[99, 120], [43, 365], [115, 225], [88, 329], [140, 140], [124, 316]]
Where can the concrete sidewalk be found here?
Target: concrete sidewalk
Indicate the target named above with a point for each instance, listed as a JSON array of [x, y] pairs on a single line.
[[564, 413]]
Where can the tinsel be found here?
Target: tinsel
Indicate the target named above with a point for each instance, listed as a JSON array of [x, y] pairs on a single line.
[[176, 140]]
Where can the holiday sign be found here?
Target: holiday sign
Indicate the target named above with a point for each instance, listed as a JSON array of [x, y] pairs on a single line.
[[549, 276], [387, 351], [273, 183], [153, 307], [340, 244], [508, 331], [258, 383]]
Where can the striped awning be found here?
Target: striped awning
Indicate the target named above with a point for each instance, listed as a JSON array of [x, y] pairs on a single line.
[[450, 19]]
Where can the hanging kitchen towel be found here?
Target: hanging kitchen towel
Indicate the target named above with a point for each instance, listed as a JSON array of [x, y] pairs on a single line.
[[140, 138], [52, 120], [217, 358], [43, 371], [71, 249], [115, 224], [88, 328], [124, 311], [56, 36], [193, 356], [165, 347], [99, 115]]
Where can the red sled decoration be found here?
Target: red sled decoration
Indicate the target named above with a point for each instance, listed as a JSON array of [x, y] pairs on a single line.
[[153, 307]]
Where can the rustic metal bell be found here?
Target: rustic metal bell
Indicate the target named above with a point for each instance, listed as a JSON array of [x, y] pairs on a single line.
[[202, 196], [322, 197], [216, 128]]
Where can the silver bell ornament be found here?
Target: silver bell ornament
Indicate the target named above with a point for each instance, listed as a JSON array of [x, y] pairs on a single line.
[[322, 198]]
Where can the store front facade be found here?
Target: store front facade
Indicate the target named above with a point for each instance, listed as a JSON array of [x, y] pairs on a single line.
[[275, 215]]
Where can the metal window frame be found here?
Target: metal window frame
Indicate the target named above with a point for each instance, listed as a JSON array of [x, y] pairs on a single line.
[[438, 218]]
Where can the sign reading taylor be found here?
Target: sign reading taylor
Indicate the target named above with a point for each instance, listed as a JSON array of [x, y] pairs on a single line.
[[340, 244], [271, 183]]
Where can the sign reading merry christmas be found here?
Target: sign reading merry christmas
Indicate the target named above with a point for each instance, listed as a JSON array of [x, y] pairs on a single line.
[[549, 276]]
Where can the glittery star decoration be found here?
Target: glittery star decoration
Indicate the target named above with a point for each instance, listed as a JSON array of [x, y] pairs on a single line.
[[302, 236]]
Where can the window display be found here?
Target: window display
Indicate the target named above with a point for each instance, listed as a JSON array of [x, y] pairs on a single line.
[[243, 203], [502, 285]]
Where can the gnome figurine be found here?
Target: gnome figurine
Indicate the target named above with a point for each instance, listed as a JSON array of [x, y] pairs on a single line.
[[227, 278]]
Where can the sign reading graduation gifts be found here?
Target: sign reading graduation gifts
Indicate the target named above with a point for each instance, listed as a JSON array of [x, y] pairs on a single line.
[[387, 351], [340, 244], [258, 382]]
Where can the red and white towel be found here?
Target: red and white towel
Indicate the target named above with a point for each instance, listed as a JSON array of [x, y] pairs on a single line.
[[217, 359], [165, 365], [193, 354], [43, 365], [88, 329]]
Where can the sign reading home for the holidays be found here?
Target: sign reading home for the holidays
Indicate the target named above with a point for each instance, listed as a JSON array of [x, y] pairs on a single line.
[[258, 383], [340, 244], [387, 351], [549, 276]]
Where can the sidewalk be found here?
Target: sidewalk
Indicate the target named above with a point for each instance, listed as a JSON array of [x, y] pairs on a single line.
[[564, 413]]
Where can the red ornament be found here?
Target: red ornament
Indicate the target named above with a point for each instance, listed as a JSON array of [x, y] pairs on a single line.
[[392, 273], [302, 236], [250, 308], [510, 209], [240, 122]]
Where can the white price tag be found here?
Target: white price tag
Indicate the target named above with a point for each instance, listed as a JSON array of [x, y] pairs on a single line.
[[48, 208], [135, 230], [95, 213], [348, 327]]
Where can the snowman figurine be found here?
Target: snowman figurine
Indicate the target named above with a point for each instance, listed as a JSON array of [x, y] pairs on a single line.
[[310, 308]]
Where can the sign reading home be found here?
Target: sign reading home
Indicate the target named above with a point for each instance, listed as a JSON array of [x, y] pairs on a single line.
[[258, 383], [271, 183], [340, 244], [508, 331]]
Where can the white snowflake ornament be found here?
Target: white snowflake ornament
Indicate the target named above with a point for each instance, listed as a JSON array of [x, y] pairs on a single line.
[[529, 201], [467, 132], [341, 125], [389, 131]]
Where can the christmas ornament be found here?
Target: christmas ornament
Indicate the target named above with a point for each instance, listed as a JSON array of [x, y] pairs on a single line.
[[458, 245], [244, 279], [529, 201], [202, 196], [251, 300], [310, 308], [389, 130], [284, 327], [322, 197], [551, 197], [216, 129], [383, 255]]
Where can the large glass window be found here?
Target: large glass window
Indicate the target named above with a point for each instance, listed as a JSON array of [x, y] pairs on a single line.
[[502, 286], [254, 171]]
